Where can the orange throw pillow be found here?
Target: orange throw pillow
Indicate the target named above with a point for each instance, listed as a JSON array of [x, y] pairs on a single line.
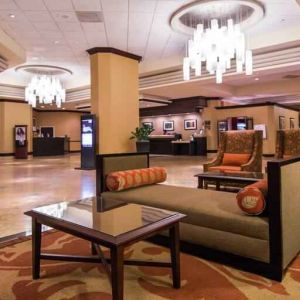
[[252, 198], [233, 159], [123, 180]]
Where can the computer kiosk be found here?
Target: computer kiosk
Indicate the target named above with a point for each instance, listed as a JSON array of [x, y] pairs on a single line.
[[88, 142]]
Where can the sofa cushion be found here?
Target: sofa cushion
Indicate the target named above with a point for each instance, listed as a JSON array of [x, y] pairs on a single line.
[[252, 198], [122, 180], [225, 169], [212, 209], [235, 159]]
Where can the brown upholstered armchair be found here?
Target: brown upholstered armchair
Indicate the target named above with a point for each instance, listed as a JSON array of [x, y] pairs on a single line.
[[238, 151], [287, 143]]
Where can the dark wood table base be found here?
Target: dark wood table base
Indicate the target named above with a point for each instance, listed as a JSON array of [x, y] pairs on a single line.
[[114, 265]]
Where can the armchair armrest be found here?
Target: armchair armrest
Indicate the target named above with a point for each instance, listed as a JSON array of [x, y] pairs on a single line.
[[215, 162]]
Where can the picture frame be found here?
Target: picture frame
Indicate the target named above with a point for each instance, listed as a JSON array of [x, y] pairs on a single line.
[[190, 124], [292, 123], [263, 128], [281, 122], [207, 125], [150, 124], [168, 125]]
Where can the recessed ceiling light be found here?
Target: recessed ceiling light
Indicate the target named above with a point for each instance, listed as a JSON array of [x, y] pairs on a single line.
[[63, 108], [256, 79], [35, 58], [56, 42], [12, 16]]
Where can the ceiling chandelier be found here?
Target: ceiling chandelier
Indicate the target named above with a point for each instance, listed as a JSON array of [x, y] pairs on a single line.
[[45, 87], [45, 90], [216, 46], [217, 30]]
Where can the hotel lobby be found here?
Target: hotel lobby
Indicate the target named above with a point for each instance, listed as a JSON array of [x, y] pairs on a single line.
[[149, 149]]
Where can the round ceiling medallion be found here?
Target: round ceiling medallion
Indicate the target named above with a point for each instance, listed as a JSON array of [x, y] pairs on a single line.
[[44, 70], [243, 12]]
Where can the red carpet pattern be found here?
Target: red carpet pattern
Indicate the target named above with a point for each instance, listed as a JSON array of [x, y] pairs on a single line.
[[201, 280]]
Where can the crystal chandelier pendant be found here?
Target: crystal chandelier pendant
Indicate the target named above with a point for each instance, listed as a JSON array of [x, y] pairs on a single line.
[[216, 46], [45, 89]]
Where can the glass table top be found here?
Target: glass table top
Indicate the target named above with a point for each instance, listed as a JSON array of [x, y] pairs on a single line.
[[110, 217]]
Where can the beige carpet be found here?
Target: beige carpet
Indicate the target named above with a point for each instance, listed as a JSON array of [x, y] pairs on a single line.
[[201, 280]]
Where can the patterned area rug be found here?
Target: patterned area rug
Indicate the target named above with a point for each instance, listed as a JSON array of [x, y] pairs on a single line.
[[201, 280]]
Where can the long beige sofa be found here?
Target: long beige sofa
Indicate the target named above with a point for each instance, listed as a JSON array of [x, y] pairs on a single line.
[[215, 228]]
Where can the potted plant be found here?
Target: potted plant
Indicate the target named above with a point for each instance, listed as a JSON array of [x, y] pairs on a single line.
[[141, 134]]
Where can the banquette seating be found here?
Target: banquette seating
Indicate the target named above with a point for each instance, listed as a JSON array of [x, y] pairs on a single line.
[[215, 228], [287, 143]]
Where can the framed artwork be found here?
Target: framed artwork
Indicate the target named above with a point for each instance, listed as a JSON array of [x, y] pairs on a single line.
[[190, 124], [207, 125], [168, 125], [281, 122], [263, 128], [150, 124], [292, 123]]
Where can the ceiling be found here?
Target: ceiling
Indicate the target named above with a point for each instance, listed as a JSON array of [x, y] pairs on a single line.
[[51, 33]]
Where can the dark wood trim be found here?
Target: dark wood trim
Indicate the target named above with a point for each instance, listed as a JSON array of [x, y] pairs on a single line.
[[257, 105], [7, 154], [274, 210], [61, 111], [212, 151], [156, 101], [14, 101], [75, 151], [100, 176], [226, 258], [96, 50], [268, 155]]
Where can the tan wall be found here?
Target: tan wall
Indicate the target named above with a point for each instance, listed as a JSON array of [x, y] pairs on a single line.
[[115, 101], [268, 115], [64, 123], [178, 123], [11, 114]]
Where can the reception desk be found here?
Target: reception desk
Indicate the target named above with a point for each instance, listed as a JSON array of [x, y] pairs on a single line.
[[183, 147], [161, 144], [48, 146]]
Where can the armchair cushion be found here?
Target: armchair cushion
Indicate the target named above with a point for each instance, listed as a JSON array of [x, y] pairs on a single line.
[[225, 169], [235, 159], [252, 198], [123, 180]]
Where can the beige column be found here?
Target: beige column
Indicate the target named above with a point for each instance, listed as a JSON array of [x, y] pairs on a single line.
[[114, 98], [13, 112]]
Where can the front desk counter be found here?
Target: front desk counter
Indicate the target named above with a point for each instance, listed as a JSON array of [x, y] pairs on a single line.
[[48, 146], [183, 147], [161, 144]]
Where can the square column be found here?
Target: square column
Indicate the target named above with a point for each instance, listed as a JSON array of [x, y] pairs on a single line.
[[114, 98]]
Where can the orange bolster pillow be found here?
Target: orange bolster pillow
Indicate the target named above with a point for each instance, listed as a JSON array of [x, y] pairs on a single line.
[[252, 198], [123, 180], [233, 159]]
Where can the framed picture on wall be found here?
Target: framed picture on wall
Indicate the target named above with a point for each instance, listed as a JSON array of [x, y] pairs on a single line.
[[168, 125], [150, 124], [263, 128], [190, 124], [292, 123], [281, 122]]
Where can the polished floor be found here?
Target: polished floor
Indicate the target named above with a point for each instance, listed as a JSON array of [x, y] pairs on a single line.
[[25, 184]]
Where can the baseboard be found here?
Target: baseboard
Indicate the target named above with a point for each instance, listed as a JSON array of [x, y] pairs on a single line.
[[7, 154], [268, 155], [75, 151]]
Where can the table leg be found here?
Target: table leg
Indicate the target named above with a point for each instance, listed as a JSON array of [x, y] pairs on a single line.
[[117, 272], [36, 248], [175, 255], [200, 183]]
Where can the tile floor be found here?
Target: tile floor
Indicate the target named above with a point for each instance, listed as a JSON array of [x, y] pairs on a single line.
[[25, 184]]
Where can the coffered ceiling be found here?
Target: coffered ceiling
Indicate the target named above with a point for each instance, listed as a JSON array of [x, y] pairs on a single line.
[[51, 33]]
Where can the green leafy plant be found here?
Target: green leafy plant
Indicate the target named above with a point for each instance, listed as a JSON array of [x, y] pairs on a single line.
[[142, 133]]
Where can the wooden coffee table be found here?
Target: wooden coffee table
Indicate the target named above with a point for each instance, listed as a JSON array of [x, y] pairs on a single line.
[[114, 225], [240, 178]]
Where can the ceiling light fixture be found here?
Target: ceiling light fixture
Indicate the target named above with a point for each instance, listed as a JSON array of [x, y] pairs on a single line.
[[45, 89], [217, 46], [12, 16], [256, 79]]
